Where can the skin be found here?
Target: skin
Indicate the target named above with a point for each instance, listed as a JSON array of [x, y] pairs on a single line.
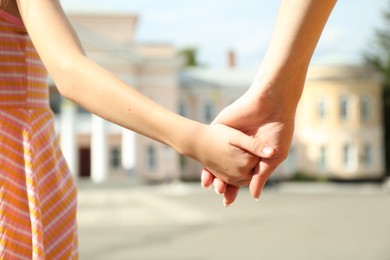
[[267, 110], [228, 153]]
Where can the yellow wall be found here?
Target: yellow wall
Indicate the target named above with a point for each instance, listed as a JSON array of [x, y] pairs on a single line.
[[331, 84]]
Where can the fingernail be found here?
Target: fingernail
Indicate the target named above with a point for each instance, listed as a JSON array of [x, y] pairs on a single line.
[[225, 204], [267, 150], [257, 198], [216, 191], [201, 181]]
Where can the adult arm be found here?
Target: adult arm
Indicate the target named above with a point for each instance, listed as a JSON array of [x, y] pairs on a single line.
[[267, 109]]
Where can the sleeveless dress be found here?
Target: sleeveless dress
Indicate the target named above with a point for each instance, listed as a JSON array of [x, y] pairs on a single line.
[[37, 192]]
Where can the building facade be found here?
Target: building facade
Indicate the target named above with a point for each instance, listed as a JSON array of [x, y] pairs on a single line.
[[338, 132], [339, 129], [100, 150], [204, 93]]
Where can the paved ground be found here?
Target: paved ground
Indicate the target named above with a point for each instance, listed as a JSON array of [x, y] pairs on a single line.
[[183, 222]]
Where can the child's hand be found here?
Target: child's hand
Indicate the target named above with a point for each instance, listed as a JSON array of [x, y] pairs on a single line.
[[228, 154]]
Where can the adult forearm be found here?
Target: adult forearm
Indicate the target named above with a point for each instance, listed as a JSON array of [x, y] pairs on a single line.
[[296, 34], [297, 31]]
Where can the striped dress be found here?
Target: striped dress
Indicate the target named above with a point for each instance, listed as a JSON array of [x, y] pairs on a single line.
[[37, 191]]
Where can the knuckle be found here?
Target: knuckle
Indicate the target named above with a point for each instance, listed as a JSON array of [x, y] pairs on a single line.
[[282, 157], [254, 144], [231, 180]]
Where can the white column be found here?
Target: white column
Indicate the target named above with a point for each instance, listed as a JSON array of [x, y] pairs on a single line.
[[128, 150], [99, 158], [68, 134]]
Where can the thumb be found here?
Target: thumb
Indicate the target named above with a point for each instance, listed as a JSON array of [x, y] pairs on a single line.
[[253, 145]]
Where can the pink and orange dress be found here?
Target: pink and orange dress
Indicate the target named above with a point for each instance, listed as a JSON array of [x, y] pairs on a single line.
[[37, 192]]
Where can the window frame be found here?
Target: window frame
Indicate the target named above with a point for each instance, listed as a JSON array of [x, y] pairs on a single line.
[[344, 107]]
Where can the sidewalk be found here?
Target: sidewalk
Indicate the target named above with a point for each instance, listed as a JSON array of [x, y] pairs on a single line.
[[182, 221], [332, 187]]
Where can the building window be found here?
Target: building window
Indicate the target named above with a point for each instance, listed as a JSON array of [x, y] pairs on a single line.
[[367, 155], [183, 162], [364, 108], [115, 158], [321, 108], [55, 102], [82, 110], [344, 107], [151, 160], [322, 159], [348, 156], [182, 109], [208, 112], [290, 162]]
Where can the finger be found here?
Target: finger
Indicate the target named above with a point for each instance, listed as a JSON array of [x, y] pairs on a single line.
[[230, 195], [253, 145], [219, 186], [207, 178], [261, 174]]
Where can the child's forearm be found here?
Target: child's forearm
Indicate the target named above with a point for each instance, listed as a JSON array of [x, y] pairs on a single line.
[[223, 150], [90, 85], [86, 84]]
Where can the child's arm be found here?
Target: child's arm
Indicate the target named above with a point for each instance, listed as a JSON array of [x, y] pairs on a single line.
[[100, 92]]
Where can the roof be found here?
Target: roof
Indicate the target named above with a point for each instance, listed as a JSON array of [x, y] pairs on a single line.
[[229, 78], [341, 72], [108, 39], [118, 28], [243, 78]]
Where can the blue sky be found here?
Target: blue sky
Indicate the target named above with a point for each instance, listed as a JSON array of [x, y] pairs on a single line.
[[245, 26]]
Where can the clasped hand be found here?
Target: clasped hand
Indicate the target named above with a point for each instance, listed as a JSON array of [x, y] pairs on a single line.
[[268, 137]]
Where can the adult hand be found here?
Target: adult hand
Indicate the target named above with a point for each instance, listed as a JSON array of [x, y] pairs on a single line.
[[263, 118]]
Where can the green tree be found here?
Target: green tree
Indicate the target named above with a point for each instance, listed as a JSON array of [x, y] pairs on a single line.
[[378, 56], [189, 57]]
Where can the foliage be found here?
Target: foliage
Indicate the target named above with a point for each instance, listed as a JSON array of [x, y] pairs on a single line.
[[378, 56], [189, 57]]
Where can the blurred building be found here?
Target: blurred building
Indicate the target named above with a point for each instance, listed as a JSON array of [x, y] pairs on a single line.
[[95, 148], [203, 94], [338, 123], [339, 130]]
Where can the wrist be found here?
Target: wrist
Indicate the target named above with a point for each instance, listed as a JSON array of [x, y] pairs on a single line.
[[278, 90], [185, 140]]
